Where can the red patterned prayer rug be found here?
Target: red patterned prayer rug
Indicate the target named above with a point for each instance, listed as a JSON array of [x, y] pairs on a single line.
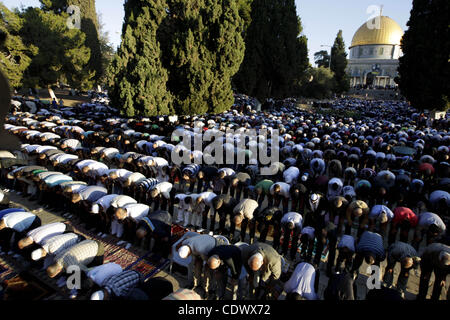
[[6, 272], [177, 232]]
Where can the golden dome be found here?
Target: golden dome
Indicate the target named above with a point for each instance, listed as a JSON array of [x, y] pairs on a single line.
[[389, 33]]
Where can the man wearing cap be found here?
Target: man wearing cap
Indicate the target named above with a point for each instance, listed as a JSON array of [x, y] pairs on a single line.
[[225, 261], [435, 258], [261, 261], [314, 217], [408, 258], [244, 214], [199, 247]]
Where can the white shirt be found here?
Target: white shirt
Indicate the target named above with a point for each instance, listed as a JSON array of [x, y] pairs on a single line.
[[122, 200], [64, 158], [291, 174], [164, 188], [42, 149], [294, 217], [135, 177], [46, 231], [19, 220], [100, 273], [208, 197], [160, 162], [228, 171], [104, 202], [428, 218], [137, 211], [302, 281], [284, 189]]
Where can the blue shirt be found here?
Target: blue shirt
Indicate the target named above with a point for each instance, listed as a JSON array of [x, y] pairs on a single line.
[[371, 242]]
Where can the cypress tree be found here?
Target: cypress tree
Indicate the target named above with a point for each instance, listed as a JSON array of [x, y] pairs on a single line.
[[89, 26], [339, 64], [424, 68], [138, 79], [203, 49], [276, 55]]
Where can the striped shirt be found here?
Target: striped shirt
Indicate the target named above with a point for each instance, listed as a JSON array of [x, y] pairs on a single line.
[[121, 284], [148, 183], [371, 243], [80, 255], [191, 170]]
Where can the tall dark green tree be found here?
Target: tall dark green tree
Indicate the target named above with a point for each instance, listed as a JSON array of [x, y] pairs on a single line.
[[276, 55], [15, 56], [203, 49], [62, 54], [424, 69], [177, 55], [339, 64], [322, 59], [137, 76], [89, 25]]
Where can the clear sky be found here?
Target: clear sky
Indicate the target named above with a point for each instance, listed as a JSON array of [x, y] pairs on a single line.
[[321, 19]]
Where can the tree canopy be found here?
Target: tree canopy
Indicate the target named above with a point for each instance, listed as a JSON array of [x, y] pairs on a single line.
[[339, 64], [424, 68]]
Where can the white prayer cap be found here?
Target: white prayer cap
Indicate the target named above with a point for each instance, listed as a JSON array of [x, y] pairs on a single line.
[[95, 208], [184, 252], [36, 254], [257, 256], [98, 295]]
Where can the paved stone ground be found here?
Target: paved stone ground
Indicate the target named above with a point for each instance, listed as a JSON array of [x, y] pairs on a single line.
[[178, 280]]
